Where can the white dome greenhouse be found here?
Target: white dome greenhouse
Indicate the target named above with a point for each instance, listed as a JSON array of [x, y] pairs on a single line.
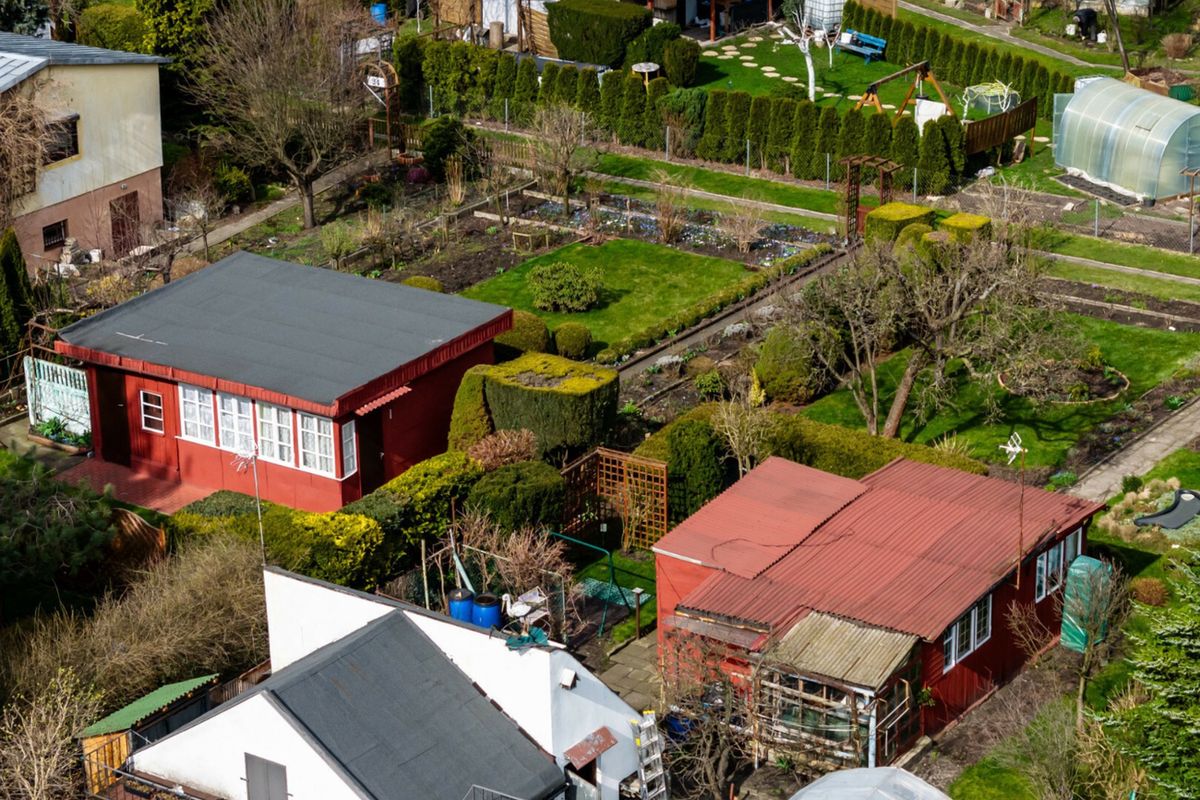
[[880, 783], [1131, 140]]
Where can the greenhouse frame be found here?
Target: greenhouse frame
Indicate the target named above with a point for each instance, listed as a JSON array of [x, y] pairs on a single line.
[[1128, 139]]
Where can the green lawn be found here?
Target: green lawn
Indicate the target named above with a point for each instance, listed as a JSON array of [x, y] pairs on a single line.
[[642, 283], [630, 573], [702, 203], [718, 182], [1146, 356], [988, 780], [1128, 255], [1037, 172], [1162, 289]]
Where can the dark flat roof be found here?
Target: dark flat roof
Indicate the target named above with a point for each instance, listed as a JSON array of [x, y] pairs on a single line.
[[402, 720], [307, 332], [68, 53]]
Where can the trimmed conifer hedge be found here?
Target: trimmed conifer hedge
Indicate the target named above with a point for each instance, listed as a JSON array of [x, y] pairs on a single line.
[[595, 31], [885, 223], [525, 493]]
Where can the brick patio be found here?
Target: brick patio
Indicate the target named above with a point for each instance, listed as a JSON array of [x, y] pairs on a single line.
[[128, 486]]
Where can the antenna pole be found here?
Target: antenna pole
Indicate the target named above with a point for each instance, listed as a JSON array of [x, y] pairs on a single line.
[[1021, 521]]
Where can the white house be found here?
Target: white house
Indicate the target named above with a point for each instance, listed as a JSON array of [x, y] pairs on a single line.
[[377, 699]]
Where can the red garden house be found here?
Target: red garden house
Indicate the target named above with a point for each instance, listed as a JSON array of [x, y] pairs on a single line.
[[339, 382], [857, 615]]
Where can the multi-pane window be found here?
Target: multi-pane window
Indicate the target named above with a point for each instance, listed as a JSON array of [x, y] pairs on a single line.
[[152, 411], [349, 460], [1052, 565], [968, 633], [316, 443], [275, 434], [237, 423], [196, 410]]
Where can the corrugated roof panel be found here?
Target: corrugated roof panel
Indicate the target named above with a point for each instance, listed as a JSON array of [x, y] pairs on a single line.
[[57, 52], [15, 68], [771, 509], [125, 718], [821, 644], [910, 554]]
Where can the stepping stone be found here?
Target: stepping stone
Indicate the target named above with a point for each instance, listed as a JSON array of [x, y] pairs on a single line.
[[770, 74], [749, 44], [790, 78], [1020, 137], [746, 58], [756, 38], [820, 89], [724, 57], [750, 64], [710, 53], [831, 94], [1041, 139], [729, 47], [768, 68], [854, 97], [888, 107]]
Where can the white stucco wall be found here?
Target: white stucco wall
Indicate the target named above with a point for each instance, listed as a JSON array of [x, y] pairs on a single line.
[[120, 128], [303, 616], [211, 755]]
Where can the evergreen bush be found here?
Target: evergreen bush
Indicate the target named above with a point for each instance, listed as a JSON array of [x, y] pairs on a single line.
[[441, 139], [572, 340], [431, 489], [804, 128], [16, 294], [885, 223], [681, 58], [829, 125], [526, 493], [548, 88], [469, 419], [408, 56], [504, 84], [223, 503], [912, 236], [563, 286], [652, 122], [630, 124], [611, 96], [567, 85], [850, 136], [952, 134], [595, 31], [737, 123], [113, 26], [650, 44], [934, 166], [758, 128], [712, 141], [587, 92], [528, 334], [684, 109], [696, 470], [877, 140], [525, 92], [779, 134], [481, 88], [965, 228], [567, 405], [785, 367]]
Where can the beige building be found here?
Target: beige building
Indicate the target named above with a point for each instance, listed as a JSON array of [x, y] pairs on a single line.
[[101, 181]]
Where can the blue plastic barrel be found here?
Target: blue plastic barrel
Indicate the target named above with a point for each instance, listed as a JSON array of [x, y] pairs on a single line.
[[486, 613], [462, 604], [379, 13]]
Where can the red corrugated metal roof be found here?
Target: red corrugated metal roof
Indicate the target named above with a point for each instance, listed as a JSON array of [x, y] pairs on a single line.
[[760, 518], [911, 553]]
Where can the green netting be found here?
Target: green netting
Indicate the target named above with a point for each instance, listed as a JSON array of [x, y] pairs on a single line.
[[612, 594], [1077, 598], [1127, 138]]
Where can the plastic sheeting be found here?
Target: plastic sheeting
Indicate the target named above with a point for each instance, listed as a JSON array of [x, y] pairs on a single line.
[[880, 783], [1126, 138], [825, 15]]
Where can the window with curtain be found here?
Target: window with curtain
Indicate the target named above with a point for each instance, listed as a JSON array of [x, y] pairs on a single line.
[[196, 407], [237, 423], [349, 459], [275, 434], [316, 443]]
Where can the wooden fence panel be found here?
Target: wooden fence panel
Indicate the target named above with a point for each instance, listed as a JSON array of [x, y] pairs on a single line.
[[608, 483], [998, 129]]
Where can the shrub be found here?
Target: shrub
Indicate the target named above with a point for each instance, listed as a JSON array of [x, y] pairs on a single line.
[[737, 126], [804, 126], [587, 91], [548, 89], [649, 44], [503, 84], [684, 109], [386, 508], [964, 228], [652, 121], [233, 183], [526, 493], [572, 340], [828, 126], [408, 54], [595, 31], [114, 26], [566, 404], [222, 503], [481, 79], [563, 286], [441, 139], [709, 385], [785, 367], [712, 141], [779, 133], [886, 222], [528, 334], [469, 419], [1131, 483], [906, 145], [695, 466], [758, 128], [850, 135], [611, 95], [424, 282], [504, 447], [629, 124], [913, 237], [431, 488], [1150, 591], [934, 162], [567, 85], [681, 57], [877, 140], [525, 92]]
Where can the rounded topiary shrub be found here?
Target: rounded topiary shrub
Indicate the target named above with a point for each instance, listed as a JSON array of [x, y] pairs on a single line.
[[526, 493], [785, 367], [114, 26], [424, 282], [470, 421], [529, 334], [910, 238], [562, 286], [572, 340]]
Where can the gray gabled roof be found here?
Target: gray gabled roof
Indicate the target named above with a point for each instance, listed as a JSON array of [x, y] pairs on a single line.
[[391, 712], [68, 53], [307, 332], [15, 68]]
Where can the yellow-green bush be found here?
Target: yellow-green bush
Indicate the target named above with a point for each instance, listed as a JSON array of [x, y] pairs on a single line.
[[572, 340], [424, 282], [469, 420], [565, 403], [529, 334], [885, 223], [964, 228], [912, 235], [430, 488]]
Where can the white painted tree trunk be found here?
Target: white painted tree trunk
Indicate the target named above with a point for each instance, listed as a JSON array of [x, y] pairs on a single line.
[[806, 48]]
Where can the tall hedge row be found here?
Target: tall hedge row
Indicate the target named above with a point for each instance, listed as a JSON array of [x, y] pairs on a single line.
[[595, 31]]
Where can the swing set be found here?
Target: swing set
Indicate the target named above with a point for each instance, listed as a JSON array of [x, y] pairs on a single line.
[[921, 72]]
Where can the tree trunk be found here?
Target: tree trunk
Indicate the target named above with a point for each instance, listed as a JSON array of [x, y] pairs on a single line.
[[1111, 7], [204, 237], [305, 186], [891, 427]]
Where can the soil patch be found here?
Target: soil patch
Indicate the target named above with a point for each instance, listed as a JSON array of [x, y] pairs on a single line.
[[1104, 294]]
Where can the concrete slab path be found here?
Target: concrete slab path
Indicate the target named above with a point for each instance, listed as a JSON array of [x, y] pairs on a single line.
[[633, 673], [1104, 479], [998, 31]]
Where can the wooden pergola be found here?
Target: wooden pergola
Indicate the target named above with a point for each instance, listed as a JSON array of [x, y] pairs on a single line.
[[854, 166]]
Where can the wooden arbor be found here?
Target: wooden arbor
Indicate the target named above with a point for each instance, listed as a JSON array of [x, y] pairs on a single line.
[[854, 165], [380, 80], [920, 72]]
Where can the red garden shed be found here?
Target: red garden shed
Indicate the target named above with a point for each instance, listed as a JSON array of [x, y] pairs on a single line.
[[338, 382], [864, 613]]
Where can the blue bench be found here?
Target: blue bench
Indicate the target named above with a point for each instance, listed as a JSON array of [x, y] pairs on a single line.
[[869, 47]]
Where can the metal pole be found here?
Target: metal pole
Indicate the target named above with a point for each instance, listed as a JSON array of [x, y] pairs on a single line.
[[914, 184], [637, 613], [828, 165], [506, 113], [747, 156], [1192, 216], [431, 101], [667, 135]]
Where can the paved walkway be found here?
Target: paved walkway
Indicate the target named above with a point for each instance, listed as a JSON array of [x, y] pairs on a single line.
[[15, 436], [999, 31], [166, 497], [1104, 480], [1141, 273], [633, 673]]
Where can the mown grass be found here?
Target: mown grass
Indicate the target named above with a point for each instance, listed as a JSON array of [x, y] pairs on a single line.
[[1147, 357], [630, 573], [1160, 288], [990, 780], [1128, 255], [705, 204], [642, 283]]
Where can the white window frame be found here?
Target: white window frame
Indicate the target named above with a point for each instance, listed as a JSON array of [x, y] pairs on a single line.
[[305, 422], [953, 641], [272, 422], [241, 409], [204, 414], [161, 419], [1052, 564], [349, 455]]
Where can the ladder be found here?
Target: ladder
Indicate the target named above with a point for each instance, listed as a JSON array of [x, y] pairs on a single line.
[[651, 772]]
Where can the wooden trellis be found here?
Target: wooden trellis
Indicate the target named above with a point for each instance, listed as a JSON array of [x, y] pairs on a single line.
[[607, 484]]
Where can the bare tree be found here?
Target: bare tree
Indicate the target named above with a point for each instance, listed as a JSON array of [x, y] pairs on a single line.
[[197, 204], [742, 224], [1045, 752], [1026, 628], [39, 754], [670, 206], [22, 149], [695, 687], [1110, 6], [161, 243], [744, 427], [1097, 605], [634, 504], [1108, 773], [560, 155], [281, 79]]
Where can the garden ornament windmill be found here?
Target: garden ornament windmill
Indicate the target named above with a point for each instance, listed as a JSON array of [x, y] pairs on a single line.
[[1014, 448], [247, 459]]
